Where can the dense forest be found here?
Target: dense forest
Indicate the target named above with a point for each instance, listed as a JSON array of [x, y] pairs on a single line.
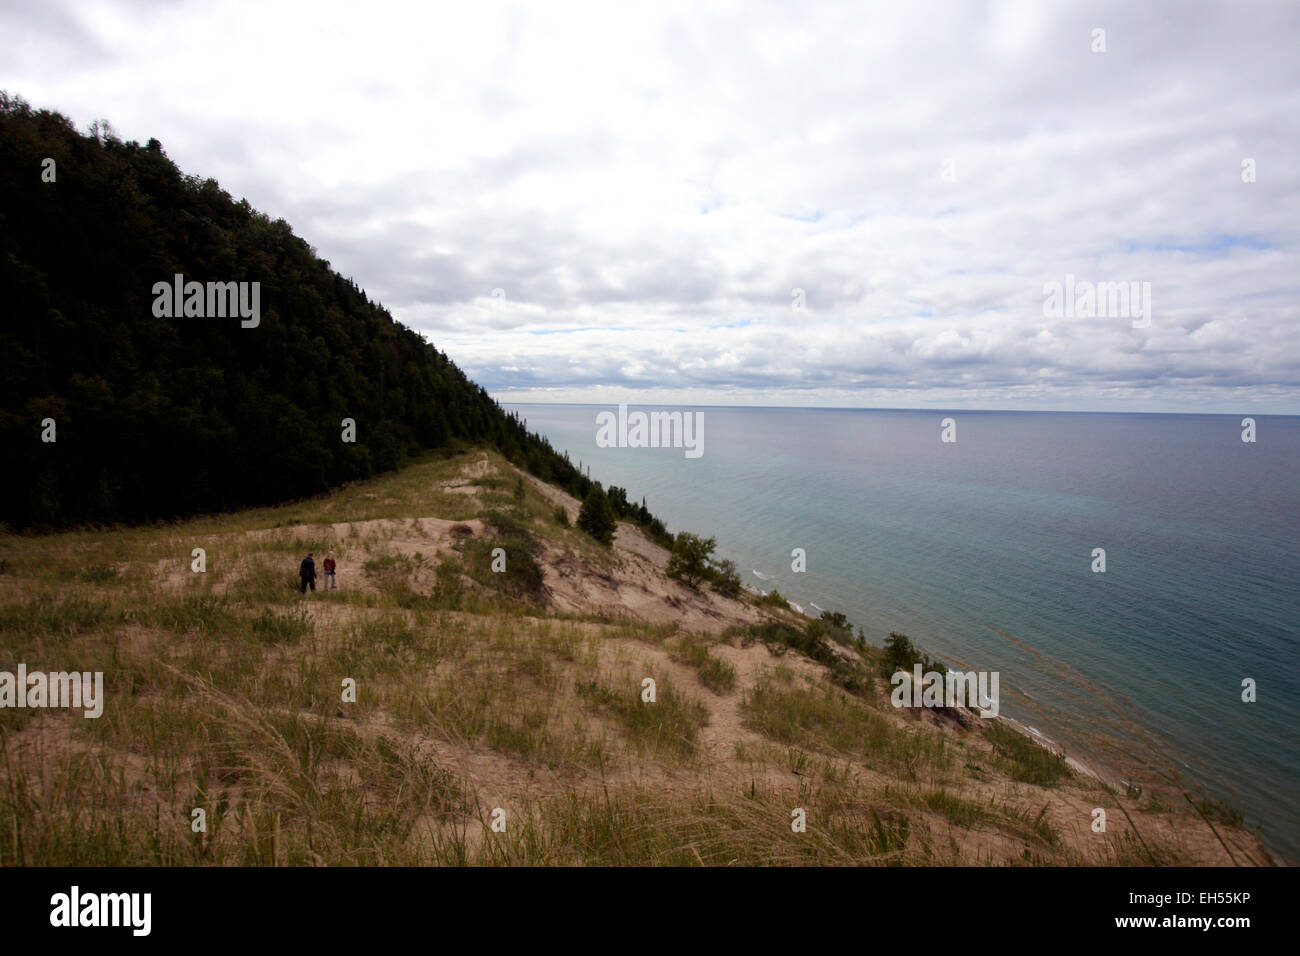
[[111, 413]]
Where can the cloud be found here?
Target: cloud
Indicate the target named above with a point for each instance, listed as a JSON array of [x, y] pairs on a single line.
[[648, 188]]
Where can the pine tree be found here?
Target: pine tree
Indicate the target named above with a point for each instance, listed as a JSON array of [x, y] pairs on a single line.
[[597, 515]]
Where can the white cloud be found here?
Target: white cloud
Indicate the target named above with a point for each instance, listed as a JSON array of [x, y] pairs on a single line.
[[647, 185]]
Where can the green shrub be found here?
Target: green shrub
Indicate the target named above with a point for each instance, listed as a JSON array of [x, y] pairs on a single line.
[[810, 641], [689, 562], [507, 524], [517, 571], [715, 674], [901, 655], [726, 579], [836, 627], [836, 619]]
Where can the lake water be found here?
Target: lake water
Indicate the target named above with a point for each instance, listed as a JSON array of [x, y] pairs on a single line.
[[948, 541]]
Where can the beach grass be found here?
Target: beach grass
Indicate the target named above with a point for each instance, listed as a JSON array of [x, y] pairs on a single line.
[[388, 721]]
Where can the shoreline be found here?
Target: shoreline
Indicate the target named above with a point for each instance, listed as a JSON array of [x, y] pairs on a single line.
[[1039, 738], [1102, 774]]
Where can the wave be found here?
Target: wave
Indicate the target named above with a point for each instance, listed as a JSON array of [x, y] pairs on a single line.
[[761, 576]]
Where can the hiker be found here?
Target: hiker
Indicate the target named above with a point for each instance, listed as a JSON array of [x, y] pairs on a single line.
[[307, 571], [331, 583]]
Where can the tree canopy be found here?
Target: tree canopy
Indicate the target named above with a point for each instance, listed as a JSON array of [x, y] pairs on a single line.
[[157, 417]]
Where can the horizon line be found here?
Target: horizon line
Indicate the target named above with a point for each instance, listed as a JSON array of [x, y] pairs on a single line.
[[876, 408]]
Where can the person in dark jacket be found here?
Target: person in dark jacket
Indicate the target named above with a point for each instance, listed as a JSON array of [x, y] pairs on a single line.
[[307, 571]]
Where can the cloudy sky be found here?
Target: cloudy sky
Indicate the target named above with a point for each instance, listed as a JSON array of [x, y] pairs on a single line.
[[751, 203]]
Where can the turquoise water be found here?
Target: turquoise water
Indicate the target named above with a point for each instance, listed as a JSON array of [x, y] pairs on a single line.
[[947, 541]]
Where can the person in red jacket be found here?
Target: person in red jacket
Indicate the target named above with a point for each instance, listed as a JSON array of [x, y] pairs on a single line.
[[331, 582]]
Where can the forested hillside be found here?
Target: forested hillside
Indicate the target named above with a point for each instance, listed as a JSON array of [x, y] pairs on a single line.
[[155, 417]]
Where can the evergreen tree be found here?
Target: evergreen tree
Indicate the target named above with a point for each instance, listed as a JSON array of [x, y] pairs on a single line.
[[160, 417], [597, 516]]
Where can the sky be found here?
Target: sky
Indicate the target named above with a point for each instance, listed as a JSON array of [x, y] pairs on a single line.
[[753, 203]]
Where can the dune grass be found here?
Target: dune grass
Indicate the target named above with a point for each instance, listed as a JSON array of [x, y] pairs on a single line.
[[1026, 760], [383, 723], [825, 716], [714, 673]]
